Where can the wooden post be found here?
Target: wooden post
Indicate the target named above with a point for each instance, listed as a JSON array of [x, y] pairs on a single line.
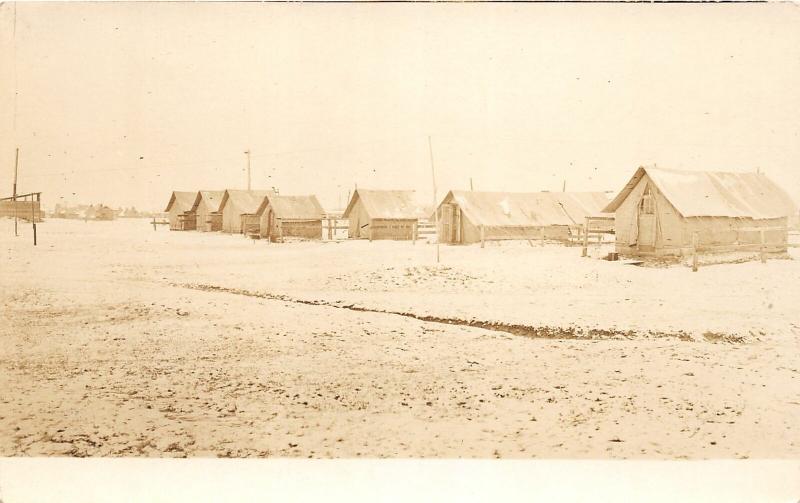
[[435, 201], [370, 230], [763, 248], [695, 243], [414, 233], [330, 229], [483, 236], [33, 220], [541, 236], [280, 230], [585, 250]]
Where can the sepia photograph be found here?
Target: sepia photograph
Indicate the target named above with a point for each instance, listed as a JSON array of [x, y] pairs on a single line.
[[390, 251]]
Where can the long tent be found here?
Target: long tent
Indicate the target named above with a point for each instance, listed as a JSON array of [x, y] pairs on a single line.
[[468, 216], [383, 214], [669, 212]]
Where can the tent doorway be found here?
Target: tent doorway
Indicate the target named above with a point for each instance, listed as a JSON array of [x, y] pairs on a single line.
[[451, 223], [647, 221]]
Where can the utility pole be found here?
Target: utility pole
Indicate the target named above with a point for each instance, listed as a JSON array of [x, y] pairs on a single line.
[[564, 186], [471, 188], [248, 168], [14, 193], [435, 209]]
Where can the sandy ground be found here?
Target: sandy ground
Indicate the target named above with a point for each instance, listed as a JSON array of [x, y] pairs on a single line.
[[116, 340]]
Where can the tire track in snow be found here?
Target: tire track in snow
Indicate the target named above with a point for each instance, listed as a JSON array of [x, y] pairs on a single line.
[[540, 332]]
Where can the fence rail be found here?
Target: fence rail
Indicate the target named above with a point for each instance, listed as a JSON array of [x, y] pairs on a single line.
[[761, 246]]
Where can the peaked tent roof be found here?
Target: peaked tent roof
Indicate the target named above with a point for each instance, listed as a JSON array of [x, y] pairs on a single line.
[[293, 207], [212, 199], [184, 200], [532, 209], [714, 193], [389, 204], [247, 200]]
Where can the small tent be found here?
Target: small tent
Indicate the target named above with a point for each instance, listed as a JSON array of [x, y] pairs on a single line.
[[383, 214], [290, 216], [179, 203], [206, 210], [236, 203], [668, 212], [467, 216]]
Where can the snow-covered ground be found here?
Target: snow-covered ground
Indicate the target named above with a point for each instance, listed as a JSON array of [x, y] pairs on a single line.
[[120, 340]]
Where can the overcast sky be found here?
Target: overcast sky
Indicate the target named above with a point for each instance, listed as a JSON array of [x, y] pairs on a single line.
[[123, 103]]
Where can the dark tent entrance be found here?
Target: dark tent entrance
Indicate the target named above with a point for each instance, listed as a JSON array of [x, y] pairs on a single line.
[[647, 221]]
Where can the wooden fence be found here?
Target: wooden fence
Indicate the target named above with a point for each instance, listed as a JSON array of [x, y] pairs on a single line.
[[760, 246], [334, 227]]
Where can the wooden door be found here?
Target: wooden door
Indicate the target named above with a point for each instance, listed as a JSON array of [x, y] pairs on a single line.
[[456, 224], [270, 224], [446, 224]]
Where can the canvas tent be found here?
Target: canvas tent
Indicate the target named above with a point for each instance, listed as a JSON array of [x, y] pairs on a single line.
[[179, 203], [465, 216], [383, 214], [290, 216], [236, 203], [206, 209], [665, 212]]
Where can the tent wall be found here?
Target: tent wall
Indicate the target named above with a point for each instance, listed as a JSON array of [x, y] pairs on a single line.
[[627, 230], [172, 216], [391, 229], [306, 229], [231, 217], [214, 221], [204, 219], [187, 221], [250, 223], [470, 232], [358, 223]]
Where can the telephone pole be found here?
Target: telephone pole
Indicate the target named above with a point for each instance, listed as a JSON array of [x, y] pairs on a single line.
[[14, 193], [248, 168], [435, 209]]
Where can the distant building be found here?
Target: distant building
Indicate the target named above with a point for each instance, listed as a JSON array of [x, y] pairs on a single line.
[[102, 212], [236, 203], [383, 214], [130, 213], [465, 216], [206, 209], [290, 216], [179, 203], [659, 211]]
